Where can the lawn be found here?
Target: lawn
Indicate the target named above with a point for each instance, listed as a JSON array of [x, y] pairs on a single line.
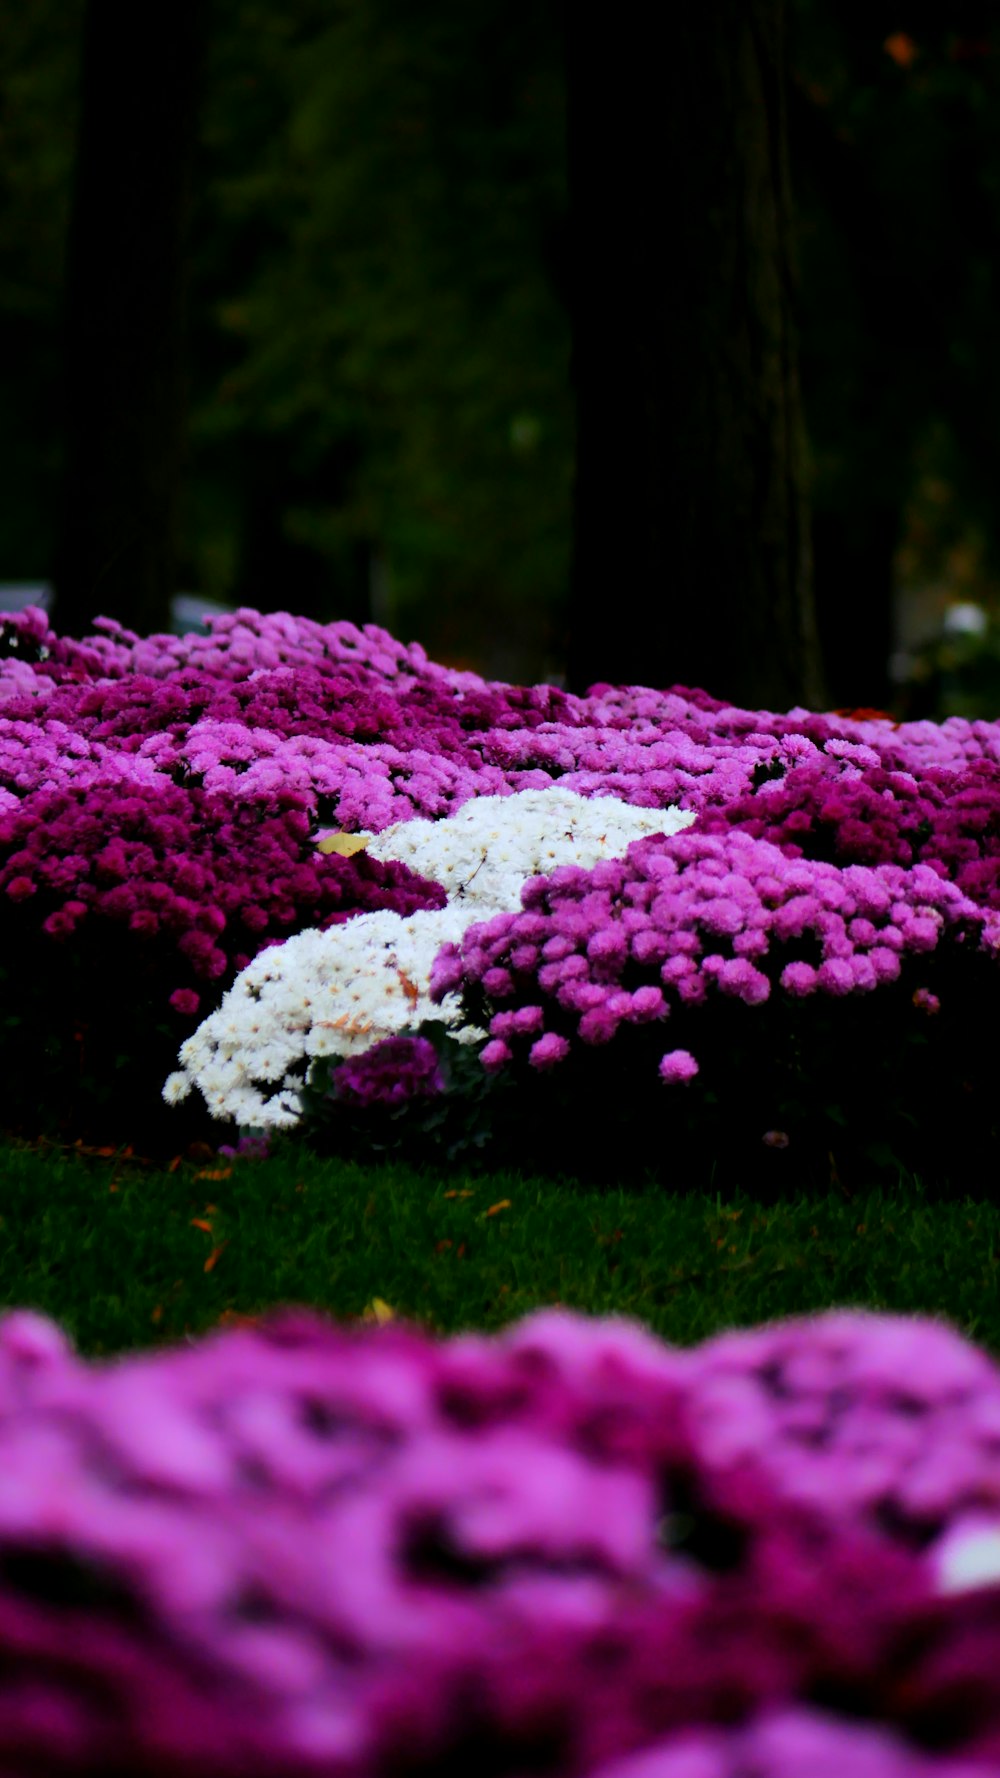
[[126, 1254]]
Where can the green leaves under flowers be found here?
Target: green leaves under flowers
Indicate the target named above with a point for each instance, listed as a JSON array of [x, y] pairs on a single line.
[[460, 1120]]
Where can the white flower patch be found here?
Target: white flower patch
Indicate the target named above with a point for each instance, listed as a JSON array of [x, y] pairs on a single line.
[[336, 993], [968, 1557]]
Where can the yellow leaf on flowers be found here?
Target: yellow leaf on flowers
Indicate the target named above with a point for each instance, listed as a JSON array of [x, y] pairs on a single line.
[[344, 843], [377, 1310]]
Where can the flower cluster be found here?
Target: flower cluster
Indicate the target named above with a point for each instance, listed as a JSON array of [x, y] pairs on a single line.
[[184, 865], [950, 819], [340, 991], [176, 786], [680, 920], [796, 1743], [272, 697], [299, 1544]]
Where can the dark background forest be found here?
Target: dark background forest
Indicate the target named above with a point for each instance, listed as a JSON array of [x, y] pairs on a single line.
[[374, 292]]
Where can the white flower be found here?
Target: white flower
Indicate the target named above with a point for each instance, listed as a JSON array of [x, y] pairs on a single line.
[[969, 1557], [338, 992]]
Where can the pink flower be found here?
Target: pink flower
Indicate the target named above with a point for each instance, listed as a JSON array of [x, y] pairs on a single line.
[[185, 1001], [677, 1066], [527, 1020], [691, 990], [835, 976], [799, 979], [648, 1003], [549, 1050], [59, 925], [722, 917]]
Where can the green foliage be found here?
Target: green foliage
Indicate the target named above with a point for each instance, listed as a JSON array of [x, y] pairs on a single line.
[[455, 1124], [371, 299], [77, 1058], [378, 334], [895, 142], [38, 104], [958, 675]]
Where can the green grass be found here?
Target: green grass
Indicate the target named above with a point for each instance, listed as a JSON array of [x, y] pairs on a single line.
[[127, 1256]]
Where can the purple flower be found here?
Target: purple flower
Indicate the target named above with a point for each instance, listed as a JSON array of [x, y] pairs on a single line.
[[392, 1071], [248, 1148]]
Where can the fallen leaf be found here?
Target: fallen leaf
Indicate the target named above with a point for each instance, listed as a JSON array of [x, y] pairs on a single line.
[[378, 1311], [214, 1257], [197, 1223], [410, 989], [233, 1318], [504, 1204], [901, 48], [344, 844]]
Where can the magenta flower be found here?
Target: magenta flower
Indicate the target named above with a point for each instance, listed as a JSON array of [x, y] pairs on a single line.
[[677, 1066], [548, 1050]]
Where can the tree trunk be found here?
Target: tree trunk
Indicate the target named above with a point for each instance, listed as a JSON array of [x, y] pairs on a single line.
[[855, 556], [691, 535], [126, 265]]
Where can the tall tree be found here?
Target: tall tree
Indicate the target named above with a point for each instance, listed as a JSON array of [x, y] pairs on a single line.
[[125, 281], [691, 537]]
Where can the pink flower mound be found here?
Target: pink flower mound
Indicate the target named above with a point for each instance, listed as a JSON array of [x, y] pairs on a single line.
[[881, 1419], [950, 819], [332, 722], [697, 915], [787, 1744], [304, 1548]]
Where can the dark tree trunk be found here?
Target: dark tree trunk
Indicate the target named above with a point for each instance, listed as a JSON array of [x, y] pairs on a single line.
[[691, 546], [124, 364], [855, 556]]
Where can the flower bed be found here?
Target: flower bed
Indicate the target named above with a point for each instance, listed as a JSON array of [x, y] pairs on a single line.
[[303, 1548], [360, 896], [273, 849]]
